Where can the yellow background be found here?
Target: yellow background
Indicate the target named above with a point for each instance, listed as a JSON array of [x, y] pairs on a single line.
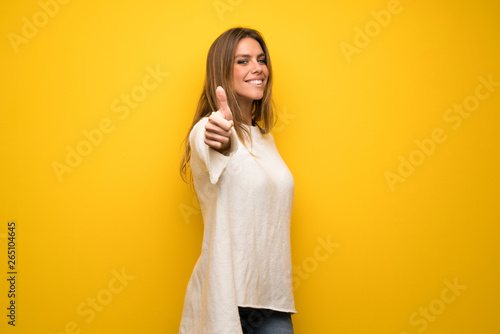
[[344, 125]]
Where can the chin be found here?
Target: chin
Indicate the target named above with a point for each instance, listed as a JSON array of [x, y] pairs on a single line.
[[258, 97], [252, 94], [255, 95]]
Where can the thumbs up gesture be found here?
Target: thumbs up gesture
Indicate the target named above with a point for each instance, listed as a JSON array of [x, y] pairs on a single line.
[[220, 122]]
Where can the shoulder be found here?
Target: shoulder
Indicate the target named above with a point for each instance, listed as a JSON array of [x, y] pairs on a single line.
[[266, 136]]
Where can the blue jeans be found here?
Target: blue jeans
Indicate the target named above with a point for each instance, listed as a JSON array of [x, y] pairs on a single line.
[[264, 321]]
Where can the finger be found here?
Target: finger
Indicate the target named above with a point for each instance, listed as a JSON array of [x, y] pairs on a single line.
[[211, 130], [217, 120], [223, 140], [224, 107], [213, 144]]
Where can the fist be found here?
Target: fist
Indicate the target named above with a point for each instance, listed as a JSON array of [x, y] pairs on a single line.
[[219, 126]]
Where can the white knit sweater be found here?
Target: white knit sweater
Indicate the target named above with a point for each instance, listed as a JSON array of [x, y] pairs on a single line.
[[246, 202]]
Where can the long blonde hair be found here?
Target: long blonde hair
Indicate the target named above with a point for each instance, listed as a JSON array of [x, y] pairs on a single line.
[[219, 72]]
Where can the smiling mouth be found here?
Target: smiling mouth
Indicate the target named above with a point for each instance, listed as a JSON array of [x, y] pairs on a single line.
[[255, 82]]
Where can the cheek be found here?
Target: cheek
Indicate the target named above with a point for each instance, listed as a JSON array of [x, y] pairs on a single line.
[[266, 71], [238, 75], [237, 84]]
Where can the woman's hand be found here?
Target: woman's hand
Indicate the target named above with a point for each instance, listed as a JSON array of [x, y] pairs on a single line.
[[220, 122]]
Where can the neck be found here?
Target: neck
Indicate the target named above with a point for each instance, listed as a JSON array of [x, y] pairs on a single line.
[[246, 111]]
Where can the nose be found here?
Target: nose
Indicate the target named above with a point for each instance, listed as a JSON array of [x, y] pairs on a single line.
[[257, 67]]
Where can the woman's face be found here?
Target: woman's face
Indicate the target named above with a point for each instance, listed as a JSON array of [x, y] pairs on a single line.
[[250, 71]]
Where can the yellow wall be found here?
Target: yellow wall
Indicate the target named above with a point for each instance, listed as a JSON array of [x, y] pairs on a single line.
[[397, 193]]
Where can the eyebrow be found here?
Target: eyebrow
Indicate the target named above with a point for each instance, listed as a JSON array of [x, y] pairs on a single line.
[[249, 56]]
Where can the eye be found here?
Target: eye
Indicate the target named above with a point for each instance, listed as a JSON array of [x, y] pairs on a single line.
[[263, 61], [241, 61]]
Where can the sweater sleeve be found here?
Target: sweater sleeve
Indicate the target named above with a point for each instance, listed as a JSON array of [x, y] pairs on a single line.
[[213, 161]]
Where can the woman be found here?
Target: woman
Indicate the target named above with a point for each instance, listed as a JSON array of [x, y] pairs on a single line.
[[242, 281]]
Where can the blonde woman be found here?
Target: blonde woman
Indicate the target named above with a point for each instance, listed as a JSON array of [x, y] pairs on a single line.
[[242, 280]]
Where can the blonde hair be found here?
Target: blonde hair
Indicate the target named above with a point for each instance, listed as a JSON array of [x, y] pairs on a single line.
[[219, 72]]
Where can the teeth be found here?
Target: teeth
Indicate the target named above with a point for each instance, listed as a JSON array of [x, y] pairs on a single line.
[[256, 82]]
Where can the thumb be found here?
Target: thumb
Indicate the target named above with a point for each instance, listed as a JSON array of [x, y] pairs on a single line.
[[224, 108]]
